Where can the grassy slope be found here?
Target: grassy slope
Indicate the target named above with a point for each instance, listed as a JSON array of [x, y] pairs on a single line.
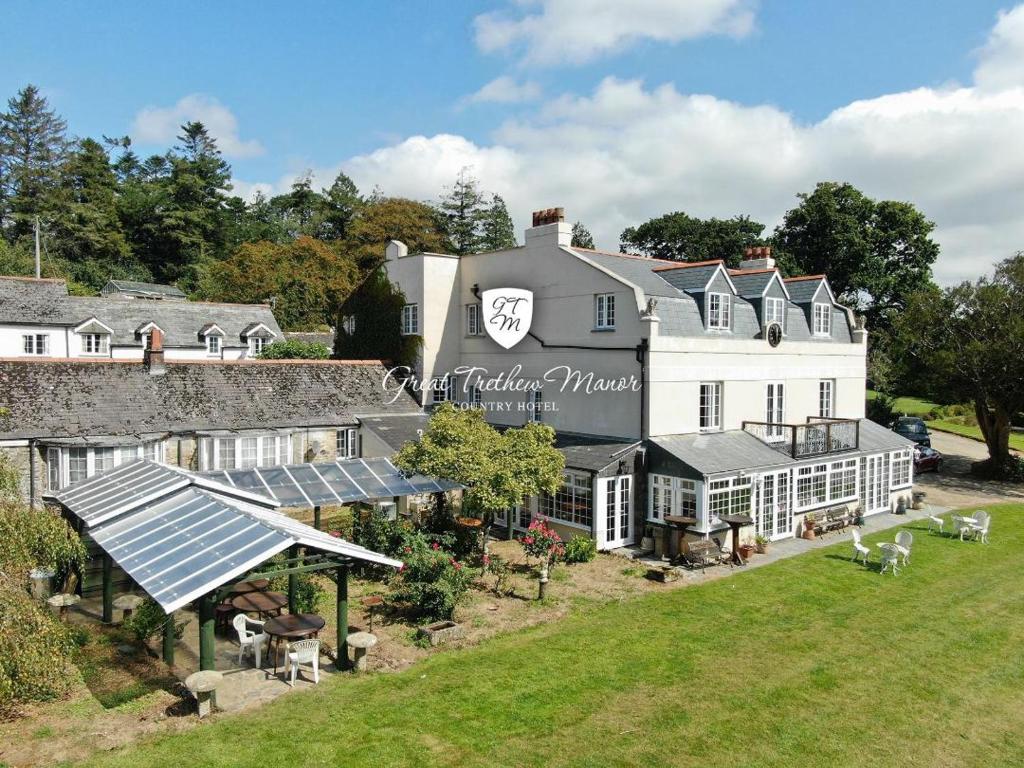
[[908, 406], [838, 666]]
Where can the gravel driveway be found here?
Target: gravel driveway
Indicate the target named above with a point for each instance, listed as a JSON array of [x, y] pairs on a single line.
[[954, 487]]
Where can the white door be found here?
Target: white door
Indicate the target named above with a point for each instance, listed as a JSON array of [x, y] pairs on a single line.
[[775, 516], [876, 484], [615, 516]]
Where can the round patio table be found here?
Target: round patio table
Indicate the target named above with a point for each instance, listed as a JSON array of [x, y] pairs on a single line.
[[256, 585], [676, 524], [260, 603], [293, 626], [736, 522]]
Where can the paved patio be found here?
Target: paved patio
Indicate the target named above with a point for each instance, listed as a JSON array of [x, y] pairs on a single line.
[[780, 550]]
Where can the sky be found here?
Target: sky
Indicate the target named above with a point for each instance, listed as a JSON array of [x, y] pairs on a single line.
[[616, 111]]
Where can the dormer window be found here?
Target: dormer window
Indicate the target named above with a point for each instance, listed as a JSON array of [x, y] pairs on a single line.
[[257, 344], [775, 312], [213, 344], [95, 343], [822, 320], [214, 337], [719, 314]]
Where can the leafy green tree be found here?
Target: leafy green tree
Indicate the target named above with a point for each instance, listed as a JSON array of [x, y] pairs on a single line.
[[681, 237], [369, 325], [341, 203], [32, 148], [294, 349], [497, 231], [462, 210], [499, 469], [307, 279], [970, 340], [581, 237], [253, 222], [382, 219], [876, 254]]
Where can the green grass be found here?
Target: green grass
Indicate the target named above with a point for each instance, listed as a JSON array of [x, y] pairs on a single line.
[[908, 406], [974, 432], [811, 661]]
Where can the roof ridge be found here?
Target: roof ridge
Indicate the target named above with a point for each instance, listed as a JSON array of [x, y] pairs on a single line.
[[687, 265], [803, 277], [636, 256]]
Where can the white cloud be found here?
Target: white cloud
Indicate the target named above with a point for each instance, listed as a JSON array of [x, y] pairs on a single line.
[[577, 31], [628, 152], [1002, 58], [505, 90], [161, 125]]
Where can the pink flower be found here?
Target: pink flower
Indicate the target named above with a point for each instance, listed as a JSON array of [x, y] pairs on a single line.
[[435, 546], [407, 550], [401, 568], [487, 559], [457, 565], [336, 534]]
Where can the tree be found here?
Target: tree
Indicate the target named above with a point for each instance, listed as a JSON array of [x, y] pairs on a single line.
[[581, 237], [681, 237], [32, 148], [496, 229], [341, 203], [970, 339], [394, 218], [462, 211], [876, 254], [307, 279], [499, 469]]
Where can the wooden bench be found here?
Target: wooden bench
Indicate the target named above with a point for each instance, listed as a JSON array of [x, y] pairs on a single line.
[[701, 554], [833, 519]]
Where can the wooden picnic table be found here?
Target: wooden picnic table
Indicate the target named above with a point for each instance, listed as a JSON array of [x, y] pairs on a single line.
[[292, 626], [260, 603], [254, 585]]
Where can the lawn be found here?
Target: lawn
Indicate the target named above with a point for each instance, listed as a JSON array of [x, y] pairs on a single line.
[[811, 661], [908, 406]]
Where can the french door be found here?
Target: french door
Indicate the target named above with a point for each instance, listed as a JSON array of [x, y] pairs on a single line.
[[875, 483], [615, 512], [775, 515]]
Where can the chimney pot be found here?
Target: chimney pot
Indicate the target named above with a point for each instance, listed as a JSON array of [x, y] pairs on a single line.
[[548, 216], [153, 356]]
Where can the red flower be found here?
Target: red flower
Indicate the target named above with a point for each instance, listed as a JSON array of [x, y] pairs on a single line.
[[435, 546], [336, 534], [407, 550], [401, 568], [457, 565], [487, 559]]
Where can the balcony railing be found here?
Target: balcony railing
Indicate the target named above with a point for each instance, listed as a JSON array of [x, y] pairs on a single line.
[[815, 438]]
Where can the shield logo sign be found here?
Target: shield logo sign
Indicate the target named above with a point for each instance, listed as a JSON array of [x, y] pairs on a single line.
[[507, 314]]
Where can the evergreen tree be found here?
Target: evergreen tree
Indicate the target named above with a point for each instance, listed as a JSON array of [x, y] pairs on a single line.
[[496, 229], [581, 237], [462, 209], [32, 148], [341, 203]]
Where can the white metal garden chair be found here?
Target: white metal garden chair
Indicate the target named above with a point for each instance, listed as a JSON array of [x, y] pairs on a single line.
[[859, 549], [961, 525], [890, 558], [935, 522], [905, 539], [302, 652], [249, 639], [979, 529]]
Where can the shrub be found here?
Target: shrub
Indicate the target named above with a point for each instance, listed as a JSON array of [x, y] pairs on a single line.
[[580, 549], [34, 651], [293, 349], [38, 538], [431, 580], [147, 621], [308, 591], [881, 409]]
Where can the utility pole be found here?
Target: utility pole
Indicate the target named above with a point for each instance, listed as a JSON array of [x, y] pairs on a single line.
[[38, 269]]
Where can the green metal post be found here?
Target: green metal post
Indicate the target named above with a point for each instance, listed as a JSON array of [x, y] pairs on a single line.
[[342, 660], [316, 517], [169, 640], [108, 589], [293, 581], [207, 651]]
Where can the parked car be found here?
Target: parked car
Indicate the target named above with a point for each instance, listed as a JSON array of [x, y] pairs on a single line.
[[926, 460], [913, 428]]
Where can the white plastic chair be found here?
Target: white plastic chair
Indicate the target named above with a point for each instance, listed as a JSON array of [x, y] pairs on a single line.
[[980, 527], [248, 639], [859, 549], [890, 558], [905, 539], [303, 652]]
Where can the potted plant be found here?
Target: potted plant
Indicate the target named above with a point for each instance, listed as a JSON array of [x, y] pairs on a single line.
[[809, 520], [858, 515], [761, 542], [747, 551], [647, 542]]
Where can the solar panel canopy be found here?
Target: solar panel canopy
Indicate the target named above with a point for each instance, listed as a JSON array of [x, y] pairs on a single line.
[[180, 536], [340, 482]]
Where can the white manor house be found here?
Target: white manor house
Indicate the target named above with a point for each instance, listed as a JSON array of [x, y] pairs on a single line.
[[747, 390]]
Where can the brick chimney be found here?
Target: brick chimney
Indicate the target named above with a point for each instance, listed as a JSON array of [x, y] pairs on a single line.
[[549, 227], [757, 257], [153, 356]]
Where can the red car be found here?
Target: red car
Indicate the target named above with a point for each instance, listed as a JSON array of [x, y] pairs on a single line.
[[926, 460]]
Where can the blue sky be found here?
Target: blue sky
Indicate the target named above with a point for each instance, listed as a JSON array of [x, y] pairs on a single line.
[[325, 86]]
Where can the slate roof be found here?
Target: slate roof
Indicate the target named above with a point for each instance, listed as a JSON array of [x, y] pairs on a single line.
[[396, 431], [137, 289], [689, 278], [751, 284], [722, 452], [46, 302], [590, 452], [74, 398], [802, 289], [327, 339]]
